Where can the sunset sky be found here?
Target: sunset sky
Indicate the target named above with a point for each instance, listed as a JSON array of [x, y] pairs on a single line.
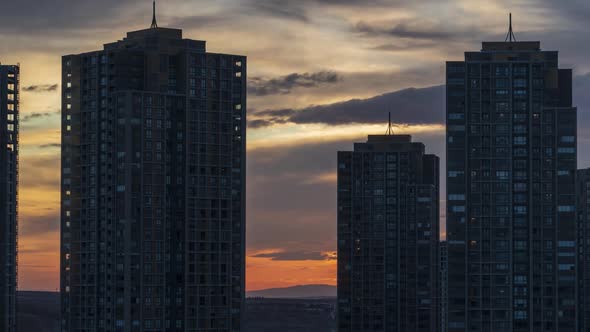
[[307, 60]]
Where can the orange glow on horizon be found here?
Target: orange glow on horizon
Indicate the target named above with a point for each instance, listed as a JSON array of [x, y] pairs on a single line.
[[263, 273]]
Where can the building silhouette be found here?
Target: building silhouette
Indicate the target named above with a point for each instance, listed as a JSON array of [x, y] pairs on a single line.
[[511, 205], [444, 282], [9, 128], [388, 236], [583, 204], [153, 179]]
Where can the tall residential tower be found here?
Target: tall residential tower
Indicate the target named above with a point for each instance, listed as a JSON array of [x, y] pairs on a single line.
[[583, 204], [9, 110], [511, 205], [153, 179], [388, 236]]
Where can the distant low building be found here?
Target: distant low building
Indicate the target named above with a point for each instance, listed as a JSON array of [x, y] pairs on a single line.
[[290, 315]]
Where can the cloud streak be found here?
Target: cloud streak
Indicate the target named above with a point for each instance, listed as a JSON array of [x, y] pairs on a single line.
[[259, 86], [402, 30], [33, 116], [297, 256], [41, 88]]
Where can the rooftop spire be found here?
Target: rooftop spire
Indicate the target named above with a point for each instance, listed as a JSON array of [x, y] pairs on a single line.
[[154, 23], [510, 36], [389, 127]]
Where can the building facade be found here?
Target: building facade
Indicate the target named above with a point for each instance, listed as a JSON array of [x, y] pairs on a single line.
[[388, 236], [9, 128], [444, 282], [153, 186], [583, 195], [511, 205]]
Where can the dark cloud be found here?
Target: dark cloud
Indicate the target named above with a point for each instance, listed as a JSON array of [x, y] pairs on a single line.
[[198, 21], [59, 15], [572, 10], [297, 256], [291, 10], [259, 86], [409, 106], [40, 172], [299, 10], [397, 47], [261, 123], [50, 146], [402, 30], [33, 116], [41, 88], [39, 224]]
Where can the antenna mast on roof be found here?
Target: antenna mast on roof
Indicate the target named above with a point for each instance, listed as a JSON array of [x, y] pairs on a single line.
[[510, 36], [154, 23], [389, 127]]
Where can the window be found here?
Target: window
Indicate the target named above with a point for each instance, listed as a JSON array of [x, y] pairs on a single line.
[[520, 209], [458, 208], [566, 150], [520, 315], [566, 244], [520, 83], [566, 267], [456, 197], [520, 140], [568, 139], [502, 175], [566, 208]]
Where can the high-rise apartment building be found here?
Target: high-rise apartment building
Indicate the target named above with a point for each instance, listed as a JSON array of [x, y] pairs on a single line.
[[511, 204], [583, 204], [153, 186], [388, 236], [9, 111], [444, 282]]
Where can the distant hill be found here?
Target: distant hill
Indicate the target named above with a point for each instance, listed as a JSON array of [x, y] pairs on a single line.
[[296, 292]]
